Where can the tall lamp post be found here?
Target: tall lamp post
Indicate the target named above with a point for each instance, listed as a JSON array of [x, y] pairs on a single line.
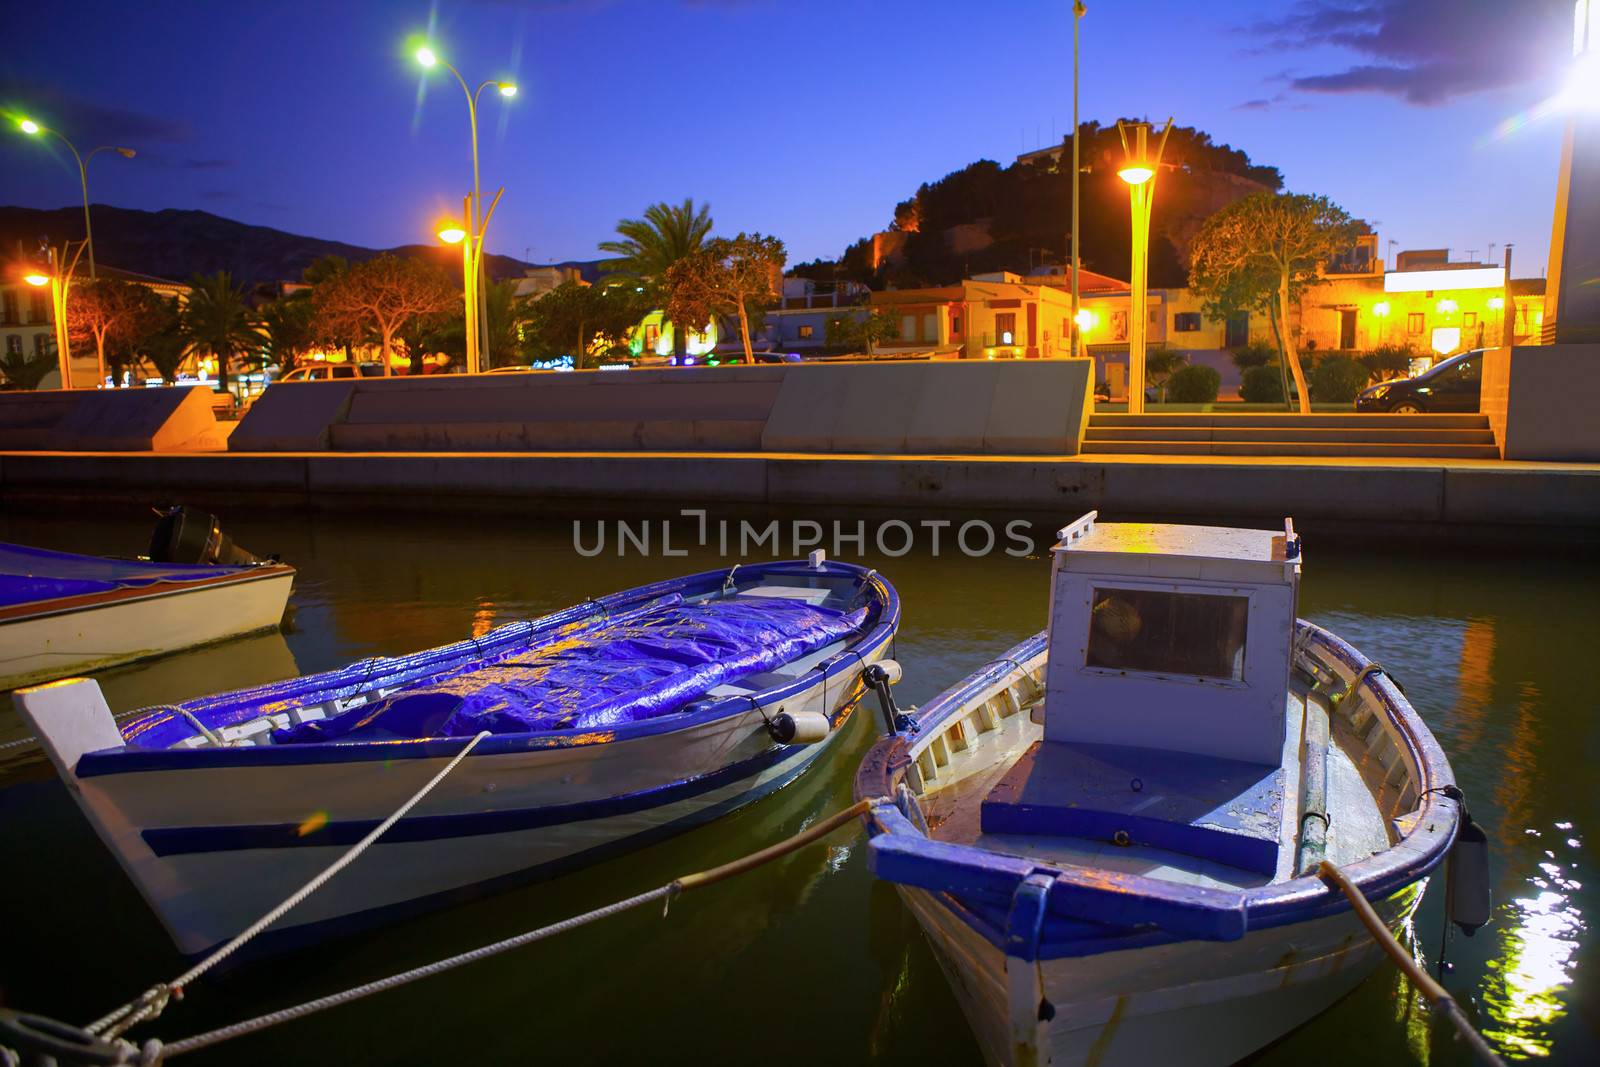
[[451, 233], [1078, 11], [59, 280], [1139, 172], [477, 218], [33, 129]]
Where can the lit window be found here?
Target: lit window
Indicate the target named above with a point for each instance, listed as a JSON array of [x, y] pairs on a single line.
[[38, 346], [1414, 323], [1186, 321], [805, 332], [13, 345], [1197, 635]]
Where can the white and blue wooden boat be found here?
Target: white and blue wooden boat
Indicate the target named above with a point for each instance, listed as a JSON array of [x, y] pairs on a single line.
[[62, 613], [612, 724], [1110, 834]]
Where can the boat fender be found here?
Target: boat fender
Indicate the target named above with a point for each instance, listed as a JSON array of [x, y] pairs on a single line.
[[798, 727], [1469, 892]]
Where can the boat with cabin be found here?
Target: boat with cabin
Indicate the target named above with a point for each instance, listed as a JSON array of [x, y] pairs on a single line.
[[1111, 835], [568, 739]]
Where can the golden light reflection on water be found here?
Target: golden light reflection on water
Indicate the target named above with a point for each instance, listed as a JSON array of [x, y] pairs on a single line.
[[1525, 989]]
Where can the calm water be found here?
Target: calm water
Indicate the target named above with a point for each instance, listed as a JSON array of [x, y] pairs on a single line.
[[808, 960]]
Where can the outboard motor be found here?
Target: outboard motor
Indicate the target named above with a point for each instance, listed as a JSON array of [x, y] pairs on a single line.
[[189, 535]]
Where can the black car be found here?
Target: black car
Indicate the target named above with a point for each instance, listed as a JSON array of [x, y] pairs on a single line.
[[1451, 385]]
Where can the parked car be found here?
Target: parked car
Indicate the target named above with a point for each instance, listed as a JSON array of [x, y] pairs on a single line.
[[1451, 385], [328, 372]]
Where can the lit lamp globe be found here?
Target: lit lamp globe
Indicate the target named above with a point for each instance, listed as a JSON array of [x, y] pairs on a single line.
[[507, 89], [426, 57], [29, 126], [1136, 175], [1084, 319], [451, 234], [36, 280]]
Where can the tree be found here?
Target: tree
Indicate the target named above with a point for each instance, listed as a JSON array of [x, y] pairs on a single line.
[[1160, 363], [862, 333], [217, 321], [1261, 253], [164, 344], [25, 372], [727, 277], [582, 320], [286, 323], [150, 315], [100, 310], [376, 299], [650, 246]]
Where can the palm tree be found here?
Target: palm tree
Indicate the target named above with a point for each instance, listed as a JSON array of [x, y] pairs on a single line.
[[286, 328], [217, 321], [651, 245]]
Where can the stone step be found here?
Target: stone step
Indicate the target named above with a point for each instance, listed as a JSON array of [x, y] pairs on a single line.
[[1290, 448], [1332, 435], [1463, 421]]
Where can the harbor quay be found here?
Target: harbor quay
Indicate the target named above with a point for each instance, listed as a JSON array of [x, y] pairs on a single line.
[[1460, 498]]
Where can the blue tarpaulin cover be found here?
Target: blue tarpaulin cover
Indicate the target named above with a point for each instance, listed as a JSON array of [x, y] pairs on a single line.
[[28, 574], [594, 674]]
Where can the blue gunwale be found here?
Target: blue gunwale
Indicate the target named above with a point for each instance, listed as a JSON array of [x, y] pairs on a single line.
[[367, 674], [1117, 912]]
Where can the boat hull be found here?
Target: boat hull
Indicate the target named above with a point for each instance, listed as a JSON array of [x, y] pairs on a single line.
[[1196, 1003], [499, 819], [81, 634]]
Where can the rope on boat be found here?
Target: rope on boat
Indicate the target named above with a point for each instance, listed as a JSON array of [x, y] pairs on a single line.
[[1441, 1001], [124, 717], [154, 1052], [154, 1000]]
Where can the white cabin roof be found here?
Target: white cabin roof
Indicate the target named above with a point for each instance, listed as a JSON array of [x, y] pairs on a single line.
[[1170, 550]]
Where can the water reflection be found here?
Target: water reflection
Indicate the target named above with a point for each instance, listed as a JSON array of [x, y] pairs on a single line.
[[1525, 989]]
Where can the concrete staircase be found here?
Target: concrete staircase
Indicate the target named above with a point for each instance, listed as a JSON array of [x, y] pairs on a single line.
[[1431, 436]]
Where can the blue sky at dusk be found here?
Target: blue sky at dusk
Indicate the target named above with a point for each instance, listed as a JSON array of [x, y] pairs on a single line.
[[807, 120]]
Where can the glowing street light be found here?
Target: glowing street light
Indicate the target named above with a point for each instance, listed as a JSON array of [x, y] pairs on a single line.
[[452, 234], [37, 280], [1085, 319], [33, 129], [1139, 172], [60, 281], [477, 218]]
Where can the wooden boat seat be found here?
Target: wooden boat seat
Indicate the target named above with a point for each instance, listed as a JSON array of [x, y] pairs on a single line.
[[1224, 810]]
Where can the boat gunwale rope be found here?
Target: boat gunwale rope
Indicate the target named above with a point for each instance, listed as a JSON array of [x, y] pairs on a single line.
[[153, 1001], [155, 1052]]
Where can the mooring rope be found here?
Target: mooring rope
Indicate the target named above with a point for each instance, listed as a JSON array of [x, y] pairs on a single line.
[[155, 1053], [154, 1000], [1435, 994]]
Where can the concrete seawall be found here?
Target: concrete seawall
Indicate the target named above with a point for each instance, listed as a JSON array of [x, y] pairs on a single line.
[[1560, 500]]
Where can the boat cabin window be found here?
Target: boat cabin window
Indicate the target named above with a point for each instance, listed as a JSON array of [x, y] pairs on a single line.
[[1195, 634]]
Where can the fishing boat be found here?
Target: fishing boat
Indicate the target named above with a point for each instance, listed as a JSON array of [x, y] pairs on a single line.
[[1111, 834], [592, 731], [62, 613]]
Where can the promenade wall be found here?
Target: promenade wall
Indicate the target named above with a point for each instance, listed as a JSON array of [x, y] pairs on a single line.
[[105, 420], [1032, 407]]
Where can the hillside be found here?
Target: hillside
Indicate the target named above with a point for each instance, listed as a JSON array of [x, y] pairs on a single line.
[[988, 216], [177, 244]]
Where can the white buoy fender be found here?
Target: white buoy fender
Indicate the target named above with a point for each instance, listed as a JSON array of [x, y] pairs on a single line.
[[798, 727], [1471, 897]]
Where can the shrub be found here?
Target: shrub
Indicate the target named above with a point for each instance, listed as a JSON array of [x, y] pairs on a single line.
[[1261, 385], [1196, 384], [1337, 380], [1389, 361], [1254, 355]]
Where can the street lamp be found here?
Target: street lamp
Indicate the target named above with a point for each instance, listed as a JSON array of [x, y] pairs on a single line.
[[476, 217], [1139, 172], [451, 233], [33, 129], [1380, 311], [59, 280]]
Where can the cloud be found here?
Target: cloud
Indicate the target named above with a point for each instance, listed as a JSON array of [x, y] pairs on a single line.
[[88, 122], [1425, 52], [1262, 104]]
